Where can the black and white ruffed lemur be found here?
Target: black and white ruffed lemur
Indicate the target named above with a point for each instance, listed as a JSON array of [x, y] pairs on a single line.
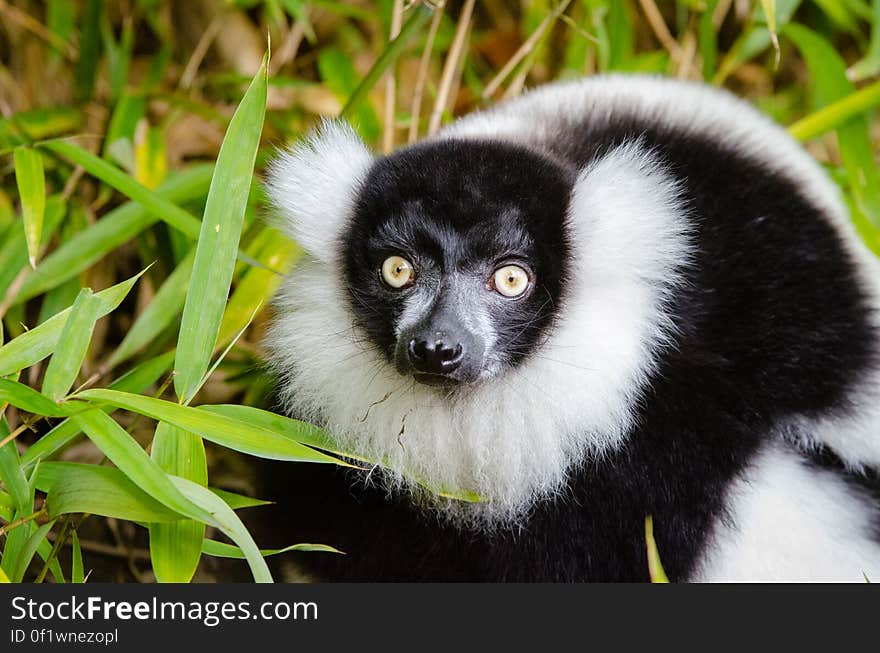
[[610, 298]]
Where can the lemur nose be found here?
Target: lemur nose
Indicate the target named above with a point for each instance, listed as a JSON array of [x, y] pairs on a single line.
[[435, 356]]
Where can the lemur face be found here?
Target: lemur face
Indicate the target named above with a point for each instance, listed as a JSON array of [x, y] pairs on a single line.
[[455, 258]]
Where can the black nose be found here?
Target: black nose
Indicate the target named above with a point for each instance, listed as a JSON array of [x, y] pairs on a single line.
[[435, 356]]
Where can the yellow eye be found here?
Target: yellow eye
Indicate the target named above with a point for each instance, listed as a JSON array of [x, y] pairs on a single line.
[[510, 280], [397, 272]]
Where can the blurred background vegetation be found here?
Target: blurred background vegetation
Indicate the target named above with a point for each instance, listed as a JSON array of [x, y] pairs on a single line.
[[125, 97]]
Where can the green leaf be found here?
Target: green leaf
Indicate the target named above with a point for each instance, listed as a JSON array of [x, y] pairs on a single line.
[[113, 230], [167, 211], [30, 549], [38, 343], [137, 380], [77, 575], [754, 40], [224, 550], [218, 240], [241, 436], [124, 451], [13, 251], [302, 432], [12, 474], [159, 315], [655, 567], [238, 501], [73, 343], [181, 495], [229, 523], [31, 181], [26, 398], [339, 68], [90, 51], [175, 548], [105, 491], [837, 113], [831, 84], [258, 284]]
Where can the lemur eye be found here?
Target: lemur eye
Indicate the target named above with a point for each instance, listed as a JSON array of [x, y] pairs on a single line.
[[510, 280], [397, 272]]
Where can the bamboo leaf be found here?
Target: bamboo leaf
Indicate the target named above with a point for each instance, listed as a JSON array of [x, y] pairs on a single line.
[[218, 240], [175, 548], [229, 523], [97, 490], [127, 455], [31, 181], [73, 344], [77, 574], [26, 398], [167, 211], [224, 550], [856, 149], [30, 549], [138, 379], [116, 228], [11, 473], [228, 432], [159, 315], [38, 343], [36, 537]]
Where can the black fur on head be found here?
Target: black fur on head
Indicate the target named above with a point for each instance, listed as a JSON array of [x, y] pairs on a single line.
[[457, 211]]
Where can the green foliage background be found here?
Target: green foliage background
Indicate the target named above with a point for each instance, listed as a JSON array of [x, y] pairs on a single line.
[[129, 136]]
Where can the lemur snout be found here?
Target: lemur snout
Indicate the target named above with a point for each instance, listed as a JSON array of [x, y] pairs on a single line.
[[435, 356]]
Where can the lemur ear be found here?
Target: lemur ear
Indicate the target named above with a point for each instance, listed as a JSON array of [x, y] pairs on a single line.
[[313, 185]]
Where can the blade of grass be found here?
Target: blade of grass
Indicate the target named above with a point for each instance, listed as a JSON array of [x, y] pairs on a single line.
[[12, 474], [219, 237], [315, 437], [72, 346], [181, 495], [421, 13], [229, 523], [836, 114], [14, 256], [31, 181]]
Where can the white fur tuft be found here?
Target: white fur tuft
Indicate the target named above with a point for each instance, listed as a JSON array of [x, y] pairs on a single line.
[[313, 184], [791, 522]]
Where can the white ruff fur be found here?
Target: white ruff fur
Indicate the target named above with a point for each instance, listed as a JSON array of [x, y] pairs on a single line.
[[514, 439]]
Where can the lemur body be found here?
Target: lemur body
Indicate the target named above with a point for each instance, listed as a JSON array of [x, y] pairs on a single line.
[[610, 298]]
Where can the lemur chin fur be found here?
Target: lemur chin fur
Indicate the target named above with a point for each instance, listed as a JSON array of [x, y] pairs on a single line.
[[609, 298]]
